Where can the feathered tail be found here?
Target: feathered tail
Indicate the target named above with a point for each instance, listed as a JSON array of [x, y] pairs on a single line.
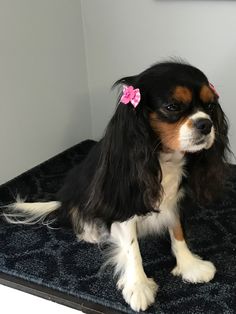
[[29, 213]]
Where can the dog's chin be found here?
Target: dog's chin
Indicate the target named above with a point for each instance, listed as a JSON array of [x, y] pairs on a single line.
[[199, 145]]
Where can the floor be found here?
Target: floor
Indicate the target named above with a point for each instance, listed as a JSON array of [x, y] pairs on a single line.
[[15, 301]]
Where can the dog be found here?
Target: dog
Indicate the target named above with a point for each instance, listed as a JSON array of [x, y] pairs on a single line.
[[167, 138]]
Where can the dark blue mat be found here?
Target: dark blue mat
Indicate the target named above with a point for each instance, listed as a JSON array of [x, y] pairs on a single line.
[[53, 258]]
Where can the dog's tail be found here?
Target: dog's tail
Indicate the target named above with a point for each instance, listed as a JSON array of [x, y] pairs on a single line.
[[29, 213]]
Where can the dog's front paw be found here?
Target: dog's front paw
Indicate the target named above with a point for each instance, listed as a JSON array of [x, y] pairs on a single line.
[[141, 294], [195, 270]]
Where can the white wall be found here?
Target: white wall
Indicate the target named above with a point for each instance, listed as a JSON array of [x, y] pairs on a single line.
[[44, 102], [126, 36]]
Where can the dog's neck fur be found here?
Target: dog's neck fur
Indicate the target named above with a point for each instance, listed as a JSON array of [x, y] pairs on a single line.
[[171, 156]]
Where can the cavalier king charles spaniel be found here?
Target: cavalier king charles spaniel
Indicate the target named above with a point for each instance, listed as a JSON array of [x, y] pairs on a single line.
[[167, 138]]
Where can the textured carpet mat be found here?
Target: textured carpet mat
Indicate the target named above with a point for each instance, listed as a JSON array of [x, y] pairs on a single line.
[[53, 258]]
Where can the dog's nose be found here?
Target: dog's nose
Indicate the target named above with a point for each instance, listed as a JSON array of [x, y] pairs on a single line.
[[203, 125]]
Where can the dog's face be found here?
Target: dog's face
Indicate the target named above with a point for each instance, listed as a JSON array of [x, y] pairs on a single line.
[[183, 108]]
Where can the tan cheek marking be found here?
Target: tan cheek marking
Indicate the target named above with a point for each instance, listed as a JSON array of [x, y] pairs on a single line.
[[178, 232], [182, 94], [206, 94], [168, 132]]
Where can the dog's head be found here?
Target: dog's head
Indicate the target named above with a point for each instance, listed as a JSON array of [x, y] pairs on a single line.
[[182, 106]]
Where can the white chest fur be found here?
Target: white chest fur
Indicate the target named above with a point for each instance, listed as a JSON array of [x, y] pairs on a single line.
[[172, 166]]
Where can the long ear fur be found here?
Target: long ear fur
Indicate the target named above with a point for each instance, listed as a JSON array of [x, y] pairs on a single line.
[[209, 168], [128, 176]]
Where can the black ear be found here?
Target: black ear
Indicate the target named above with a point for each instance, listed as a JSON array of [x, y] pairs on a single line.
[[127, 180], [210, 168]]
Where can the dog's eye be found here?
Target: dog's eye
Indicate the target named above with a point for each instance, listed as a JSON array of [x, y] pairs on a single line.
[[211, 106], [172, 107]]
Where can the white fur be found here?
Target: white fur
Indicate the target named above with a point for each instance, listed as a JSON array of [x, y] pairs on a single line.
[[92, 233], [189, 266], [29, 213], [188, 135]]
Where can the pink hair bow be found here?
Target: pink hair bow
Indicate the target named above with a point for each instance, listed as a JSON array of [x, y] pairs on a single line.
[[130, 95], [212, 87]]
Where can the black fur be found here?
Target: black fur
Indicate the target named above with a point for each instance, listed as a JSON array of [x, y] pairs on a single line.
[[121, 176]]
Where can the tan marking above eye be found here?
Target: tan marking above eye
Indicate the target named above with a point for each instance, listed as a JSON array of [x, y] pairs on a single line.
[[168, 132], [206, 94], [182, 94]]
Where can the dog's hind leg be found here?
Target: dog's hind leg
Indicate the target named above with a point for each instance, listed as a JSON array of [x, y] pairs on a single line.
[[93, 232]]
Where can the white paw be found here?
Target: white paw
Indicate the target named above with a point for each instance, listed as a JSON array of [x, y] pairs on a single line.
[[139, 295], [90, 238], [195, 270], [92, 233]]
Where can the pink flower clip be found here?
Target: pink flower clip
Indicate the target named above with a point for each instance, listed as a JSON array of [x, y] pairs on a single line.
[[130, 95], [212, 87]]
